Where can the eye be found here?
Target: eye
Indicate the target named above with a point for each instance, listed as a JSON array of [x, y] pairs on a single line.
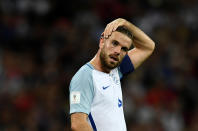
[[115, 43], [125, 49]]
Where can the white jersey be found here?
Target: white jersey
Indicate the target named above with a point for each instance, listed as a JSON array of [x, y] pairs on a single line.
[[99, 95]]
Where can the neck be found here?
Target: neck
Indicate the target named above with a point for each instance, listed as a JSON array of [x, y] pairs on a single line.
[[96, 63]]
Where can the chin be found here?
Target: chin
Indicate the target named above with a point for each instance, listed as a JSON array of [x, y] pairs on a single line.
[[113, 65]]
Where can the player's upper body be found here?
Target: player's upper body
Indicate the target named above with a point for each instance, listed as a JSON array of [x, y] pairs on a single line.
[[95, 90], [98, 94]]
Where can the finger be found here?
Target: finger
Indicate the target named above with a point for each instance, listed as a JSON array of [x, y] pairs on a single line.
[[116, 25], [106, 31], [102, 35], [110, 29], [119, 22]]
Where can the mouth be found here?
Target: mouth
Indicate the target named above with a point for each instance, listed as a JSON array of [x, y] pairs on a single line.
[[114, 58]]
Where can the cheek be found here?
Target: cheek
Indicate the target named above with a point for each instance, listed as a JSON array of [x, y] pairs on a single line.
[[108, 50], [105, 51]]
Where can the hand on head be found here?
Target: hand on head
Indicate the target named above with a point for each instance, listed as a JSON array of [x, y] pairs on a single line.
[[113, 26]]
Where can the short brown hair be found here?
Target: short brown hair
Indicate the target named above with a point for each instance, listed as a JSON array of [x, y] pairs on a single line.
[[126, 31]]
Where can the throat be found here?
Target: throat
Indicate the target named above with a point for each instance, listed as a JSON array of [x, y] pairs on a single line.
[[99, 66]]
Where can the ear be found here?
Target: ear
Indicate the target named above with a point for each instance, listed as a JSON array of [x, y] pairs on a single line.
[[101, 44]]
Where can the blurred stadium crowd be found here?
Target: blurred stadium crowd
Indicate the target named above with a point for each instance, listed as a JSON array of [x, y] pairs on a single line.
[[44, 42]]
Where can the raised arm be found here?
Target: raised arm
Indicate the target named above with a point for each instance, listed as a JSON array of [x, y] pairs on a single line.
[[143, 45], [79, 122]]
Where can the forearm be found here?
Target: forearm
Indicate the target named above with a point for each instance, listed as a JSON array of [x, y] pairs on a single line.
[[79, 122], [143, 46], [140, 40], [82, 127]]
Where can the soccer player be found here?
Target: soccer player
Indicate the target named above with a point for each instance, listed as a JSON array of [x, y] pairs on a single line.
[[95, 90]]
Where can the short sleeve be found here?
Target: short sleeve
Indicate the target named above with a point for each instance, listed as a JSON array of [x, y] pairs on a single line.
[[125, 67], [81, 91]]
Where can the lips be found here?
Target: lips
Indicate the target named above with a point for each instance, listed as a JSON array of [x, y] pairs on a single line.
[[114, 58]]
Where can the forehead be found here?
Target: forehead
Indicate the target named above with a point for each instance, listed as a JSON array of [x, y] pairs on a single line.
[[123, 39]]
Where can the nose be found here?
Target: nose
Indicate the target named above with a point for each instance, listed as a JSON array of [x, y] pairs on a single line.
[[117, 50]]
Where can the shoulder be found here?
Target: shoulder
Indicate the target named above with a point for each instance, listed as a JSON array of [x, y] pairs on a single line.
[[85, 72], [82, 90]]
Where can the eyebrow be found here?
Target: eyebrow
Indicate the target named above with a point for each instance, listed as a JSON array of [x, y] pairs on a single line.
[[123, 47]]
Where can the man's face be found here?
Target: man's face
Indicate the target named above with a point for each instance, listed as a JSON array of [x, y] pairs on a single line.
[[113, 50]]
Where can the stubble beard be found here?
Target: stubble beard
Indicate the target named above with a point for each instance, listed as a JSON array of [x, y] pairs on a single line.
[[104, 61]]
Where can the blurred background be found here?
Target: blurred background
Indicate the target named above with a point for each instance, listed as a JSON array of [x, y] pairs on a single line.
[[44, 42]]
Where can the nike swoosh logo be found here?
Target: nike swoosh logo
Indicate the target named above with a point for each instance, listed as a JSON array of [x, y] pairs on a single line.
[[119, 103], [105, 87]]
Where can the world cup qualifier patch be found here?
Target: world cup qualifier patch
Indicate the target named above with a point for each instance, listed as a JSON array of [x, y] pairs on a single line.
[[75, 97]]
